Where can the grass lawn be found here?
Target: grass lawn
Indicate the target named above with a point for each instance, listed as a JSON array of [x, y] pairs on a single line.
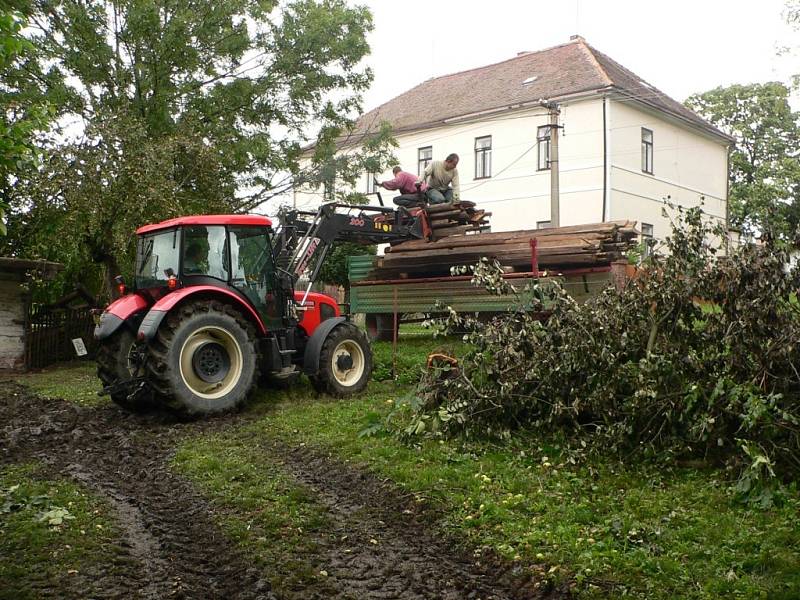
[[270, 516], [74, 381], [641, 531], [50, 531], [638, 530]]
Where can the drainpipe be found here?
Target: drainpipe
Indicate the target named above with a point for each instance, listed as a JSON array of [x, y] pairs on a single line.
[[606, 158]]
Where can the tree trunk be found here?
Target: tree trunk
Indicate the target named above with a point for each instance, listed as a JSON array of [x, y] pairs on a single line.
[[111, 270]]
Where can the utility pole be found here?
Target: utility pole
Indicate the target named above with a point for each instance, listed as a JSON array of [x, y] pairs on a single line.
[[555, 209]]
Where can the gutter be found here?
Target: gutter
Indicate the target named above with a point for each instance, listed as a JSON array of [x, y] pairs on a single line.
[[705, 128], [606, 216], [580, 95], [530, 103]]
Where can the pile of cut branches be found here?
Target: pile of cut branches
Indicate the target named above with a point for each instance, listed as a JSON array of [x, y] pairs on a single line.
[[697, 356]]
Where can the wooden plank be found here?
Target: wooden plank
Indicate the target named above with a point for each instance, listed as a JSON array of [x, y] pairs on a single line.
[[489, 239], [446, 214], [470, 253], [445, 231], [550, 263], [504, 257], [608, 230], [435, 208]]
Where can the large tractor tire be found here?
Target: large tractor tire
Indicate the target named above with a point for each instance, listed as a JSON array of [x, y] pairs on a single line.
[[203, 359], [345, 362], [117, 363], [380, 326]]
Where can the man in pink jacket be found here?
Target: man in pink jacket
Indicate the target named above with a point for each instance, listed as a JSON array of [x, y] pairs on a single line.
[[403, 181]]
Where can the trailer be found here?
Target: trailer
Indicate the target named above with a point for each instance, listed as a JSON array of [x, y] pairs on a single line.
[[388, 302]]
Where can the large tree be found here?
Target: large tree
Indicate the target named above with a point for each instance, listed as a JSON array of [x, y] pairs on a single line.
[[179, 106], [765, 161], [19, 117], [792, 15]]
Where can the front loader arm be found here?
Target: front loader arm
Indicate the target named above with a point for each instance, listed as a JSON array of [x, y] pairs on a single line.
[[306, 237]]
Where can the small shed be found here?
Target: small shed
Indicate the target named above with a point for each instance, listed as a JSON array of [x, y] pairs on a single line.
[[15, 273]]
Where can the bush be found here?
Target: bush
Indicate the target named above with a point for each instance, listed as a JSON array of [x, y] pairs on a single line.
[[696, 357]]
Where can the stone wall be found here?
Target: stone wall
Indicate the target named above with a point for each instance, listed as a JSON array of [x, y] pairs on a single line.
[[12, 324]]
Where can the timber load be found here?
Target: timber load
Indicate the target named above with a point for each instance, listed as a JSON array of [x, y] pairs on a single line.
[[456, 218], [553, 249]]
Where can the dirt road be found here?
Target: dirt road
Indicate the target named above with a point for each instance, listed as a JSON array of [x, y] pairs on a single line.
[[380, 545]]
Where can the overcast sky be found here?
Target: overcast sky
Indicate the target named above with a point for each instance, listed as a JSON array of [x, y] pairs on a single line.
[[680, 46]]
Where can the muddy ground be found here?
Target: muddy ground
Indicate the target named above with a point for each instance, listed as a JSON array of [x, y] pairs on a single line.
[[380, 543]]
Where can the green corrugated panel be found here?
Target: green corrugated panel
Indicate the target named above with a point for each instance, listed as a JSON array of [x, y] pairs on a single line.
[[358, 267], [460, 295]]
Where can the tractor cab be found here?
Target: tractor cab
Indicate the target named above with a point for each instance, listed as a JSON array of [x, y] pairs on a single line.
[[226, 251]]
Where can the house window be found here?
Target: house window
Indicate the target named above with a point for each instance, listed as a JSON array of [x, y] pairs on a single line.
[[543, 143], [647, 151], [328, 193], [542, 224], [371, 183], [424, 158], [647, 239], [483, 157]]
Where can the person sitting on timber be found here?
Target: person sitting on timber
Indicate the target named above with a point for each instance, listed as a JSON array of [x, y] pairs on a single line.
[[406, 184], [441, 177], [403, 181]]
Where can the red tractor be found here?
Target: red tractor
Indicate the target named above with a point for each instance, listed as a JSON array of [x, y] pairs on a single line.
[[213, 308]]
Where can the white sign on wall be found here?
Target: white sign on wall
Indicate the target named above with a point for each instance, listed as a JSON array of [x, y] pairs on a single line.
[[80, 347]]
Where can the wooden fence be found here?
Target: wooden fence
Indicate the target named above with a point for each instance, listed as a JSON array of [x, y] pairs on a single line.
[[49, 333]]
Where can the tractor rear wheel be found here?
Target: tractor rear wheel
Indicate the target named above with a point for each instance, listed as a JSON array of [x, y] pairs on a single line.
[[345, 362], [203, 359], [119, 360]]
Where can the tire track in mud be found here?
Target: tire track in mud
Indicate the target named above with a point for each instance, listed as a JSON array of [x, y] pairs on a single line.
[[378, 543], [170, 546]]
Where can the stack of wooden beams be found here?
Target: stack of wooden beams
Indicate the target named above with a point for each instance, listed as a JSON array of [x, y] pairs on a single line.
[[577, 246], [456, 218]]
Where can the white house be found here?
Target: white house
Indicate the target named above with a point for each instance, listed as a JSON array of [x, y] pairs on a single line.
[[623, 145]]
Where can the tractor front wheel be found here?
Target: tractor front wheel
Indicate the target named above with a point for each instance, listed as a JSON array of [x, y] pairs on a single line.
[[345, 362], [119, 359], [203, 359]]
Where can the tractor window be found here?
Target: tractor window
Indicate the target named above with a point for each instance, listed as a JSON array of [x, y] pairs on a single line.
[[253, 271], [156, 254], [204, 252]]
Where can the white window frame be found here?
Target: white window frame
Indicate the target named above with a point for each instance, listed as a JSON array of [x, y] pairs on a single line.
[[483, 157], [371, 187], [329, 190], [647, 239], [647, 150], [543, 148], [422, 163]]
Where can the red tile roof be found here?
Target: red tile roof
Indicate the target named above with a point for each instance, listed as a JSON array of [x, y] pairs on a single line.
[[557, 73]]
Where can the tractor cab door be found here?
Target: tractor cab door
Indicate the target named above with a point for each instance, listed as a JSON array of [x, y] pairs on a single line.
[[253, 272]]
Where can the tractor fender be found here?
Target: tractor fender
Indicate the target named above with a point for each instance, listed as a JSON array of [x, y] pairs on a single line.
[[152, 320], [117, 313], [314, 345]]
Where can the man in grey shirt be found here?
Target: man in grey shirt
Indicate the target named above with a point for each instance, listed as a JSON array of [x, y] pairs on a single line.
[[442, 179]]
